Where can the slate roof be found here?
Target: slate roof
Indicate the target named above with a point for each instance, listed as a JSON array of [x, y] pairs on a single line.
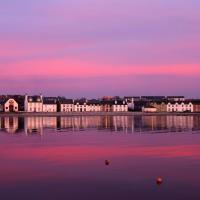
[[180, 102], [80, 102], [93, 102], [113, 102], [34, 99], [49, 101], [121, 102], [66, 101], [3, 101]]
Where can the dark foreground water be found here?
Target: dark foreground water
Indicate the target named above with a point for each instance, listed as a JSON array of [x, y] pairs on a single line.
[[64, 158]]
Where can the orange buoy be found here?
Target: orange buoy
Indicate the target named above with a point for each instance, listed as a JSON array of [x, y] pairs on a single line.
[[107, 162], [159, 181]]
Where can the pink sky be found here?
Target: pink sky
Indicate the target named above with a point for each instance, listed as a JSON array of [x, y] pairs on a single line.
[[68, 48]]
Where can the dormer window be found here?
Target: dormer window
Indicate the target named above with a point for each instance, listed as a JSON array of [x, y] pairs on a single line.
[[30, 99], [38, 99]]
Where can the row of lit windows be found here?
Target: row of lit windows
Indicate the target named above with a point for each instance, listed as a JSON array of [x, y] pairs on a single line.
[[186, 106]]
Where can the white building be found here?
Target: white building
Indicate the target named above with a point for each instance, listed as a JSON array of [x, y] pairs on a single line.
[[33, 124], [33, 103], [93, 106], [11, 106], [66, 105], [180, 107], [49, 104], [80, 106], [120, 106]]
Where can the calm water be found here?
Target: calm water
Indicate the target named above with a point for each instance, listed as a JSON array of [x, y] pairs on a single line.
[[64, 157]]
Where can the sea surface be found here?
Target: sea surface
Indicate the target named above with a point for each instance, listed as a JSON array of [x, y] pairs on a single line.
[[100, 158]]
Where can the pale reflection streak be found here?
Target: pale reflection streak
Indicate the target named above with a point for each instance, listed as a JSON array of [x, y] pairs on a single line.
[[126, 124]]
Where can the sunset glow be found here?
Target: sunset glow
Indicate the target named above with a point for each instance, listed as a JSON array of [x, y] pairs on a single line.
[[76, 44]]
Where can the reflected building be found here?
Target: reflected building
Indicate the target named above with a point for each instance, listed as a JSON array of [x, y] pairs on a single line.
[[106, 122], [10, 124], [79, 122], [33, 125], [50, 122], [127, 124], [120, 123], [177, 123], [196, 123]]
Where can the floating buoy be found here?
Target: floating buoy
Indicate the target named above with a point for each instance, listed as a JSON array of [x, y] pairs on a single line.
[[159, 181], [107, 162]]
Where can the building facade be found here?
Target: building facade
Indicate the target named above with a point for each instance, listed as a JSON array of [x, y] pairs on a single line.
[[93, 106], [49, 104], [80, 106], [114, 106], [66, 105], [33, 103], [11, 106], [196, 105], [120, 106], [180, 107]]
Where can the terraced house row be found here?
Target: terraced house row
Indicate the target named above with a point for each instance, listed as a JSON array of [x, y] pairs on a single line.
[[38, 103], [173, 106], [60, 104]]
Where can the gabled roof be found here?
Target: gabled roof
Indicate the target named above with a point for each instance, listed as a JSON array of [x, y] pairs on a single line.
[[34, 99], [66, 101], [107, 102], [179, 102], [80, 102], [49, 100], [114, 102], [120, 102], [3, 101], [93, 102]]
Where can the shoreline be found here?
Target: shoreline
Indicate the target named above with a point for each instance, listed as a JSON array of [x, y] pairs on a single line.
[[71, 114]]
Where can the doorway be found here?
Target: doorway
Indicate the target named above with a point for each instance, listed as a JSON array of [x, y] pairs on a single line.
[[11, 108]]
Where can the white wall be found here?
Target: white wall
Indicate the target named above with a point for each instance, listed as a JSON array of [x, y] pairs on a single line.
[[67, 107], [120, 108], [49, 108], [80, 108], [182, 107], [93, 108], [34, 107], [13, 103]]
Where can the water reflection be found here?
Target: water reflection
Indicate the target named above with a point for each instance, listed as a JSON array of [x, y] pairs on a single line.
[[126, 124]]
